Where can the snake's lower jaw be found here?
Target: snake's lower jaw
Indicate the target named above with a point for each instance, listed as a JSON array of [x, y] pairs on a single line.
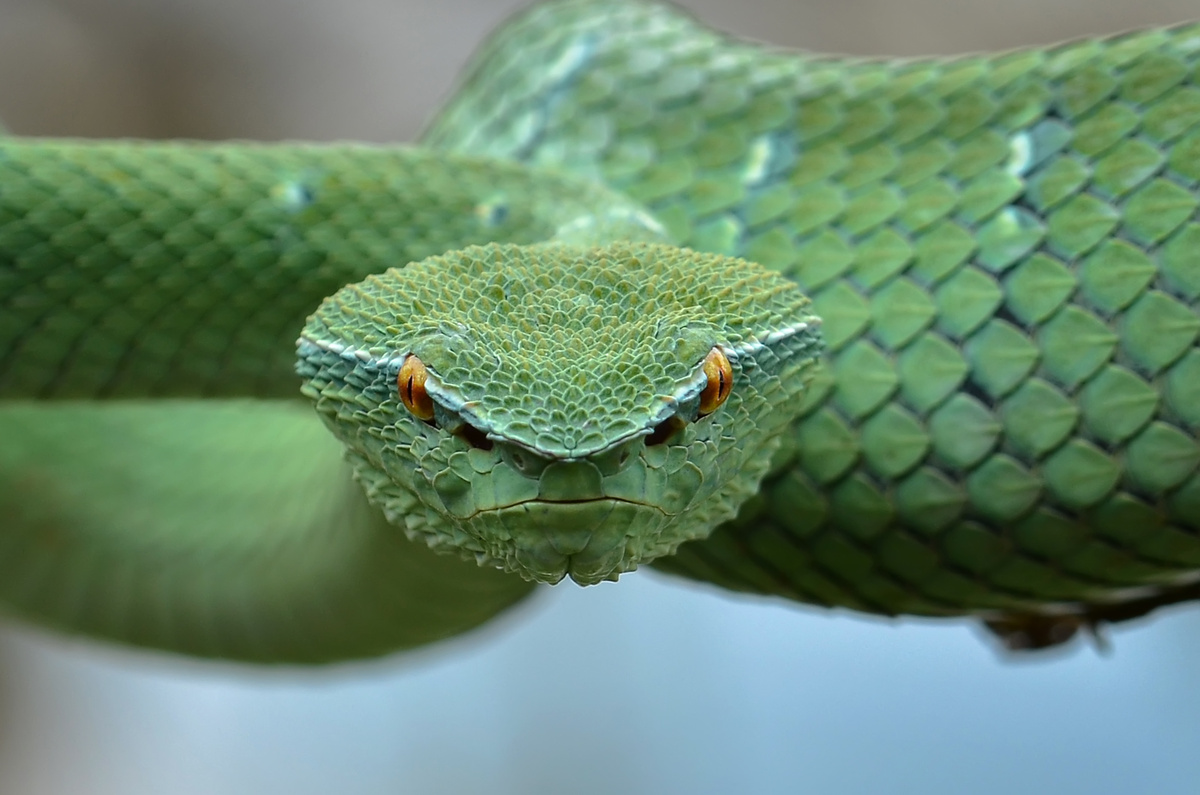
[[548, 528], [589, 541]]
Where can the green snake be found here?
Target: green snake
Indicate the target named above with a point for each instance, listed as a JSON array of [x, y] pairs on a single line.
[[898, 336]]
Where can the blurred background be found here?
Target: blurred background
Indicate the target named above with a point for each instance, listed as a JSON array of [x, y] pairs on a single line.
[[649, 686]]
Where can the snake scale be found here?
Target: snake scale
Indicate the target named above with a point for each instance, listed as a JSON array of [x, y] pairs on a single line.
[[571, 334]]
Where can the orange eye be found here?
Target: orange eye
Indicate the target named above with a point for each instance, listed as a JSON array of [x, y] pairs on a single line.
[[411, 383], [720, 382]]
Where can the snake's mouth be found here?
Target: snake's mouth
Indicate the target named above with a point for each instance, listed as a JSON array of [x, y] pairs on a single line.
[[591, 500], [577, 501]]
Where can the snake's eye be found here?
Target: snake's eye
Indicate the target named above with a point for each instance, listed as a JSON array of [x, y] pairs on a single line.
[[411, 384], [720, 381]]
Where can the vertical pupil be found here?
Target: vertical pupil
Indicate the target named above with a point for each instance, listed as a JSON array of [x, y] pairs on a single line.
[[720, 382], [410, 387]]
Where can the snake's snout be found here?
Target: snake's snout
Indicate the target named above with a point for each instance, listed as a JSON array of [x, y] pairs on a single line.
[[580, 517]]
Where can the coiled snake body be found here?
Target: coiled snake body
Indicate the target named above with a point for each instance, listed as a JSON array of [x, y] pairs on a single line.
[[602, 355]]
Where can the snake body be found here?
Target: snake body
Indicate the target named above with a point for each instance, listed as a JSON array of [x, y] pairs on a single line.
[[1003, 253]]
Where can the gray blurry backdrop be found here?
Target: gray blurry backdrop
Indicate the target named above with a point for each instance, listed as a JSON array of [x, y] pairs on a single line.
[[649, 686]]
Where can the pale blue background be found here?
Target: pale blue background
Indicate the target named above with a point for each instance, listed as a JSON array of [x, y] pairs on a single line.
[[643, 687]]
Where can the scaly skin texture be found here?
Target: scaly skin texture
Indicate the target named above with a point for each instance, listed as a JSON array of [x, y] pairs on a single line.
[[156, 270], [567, 434], [1005, 255], [172, 270], [1002, 249], [216, 529]]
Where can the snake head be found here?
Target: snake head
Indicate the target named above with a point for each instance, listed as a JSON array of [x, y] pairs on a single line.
[[557, 410]]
